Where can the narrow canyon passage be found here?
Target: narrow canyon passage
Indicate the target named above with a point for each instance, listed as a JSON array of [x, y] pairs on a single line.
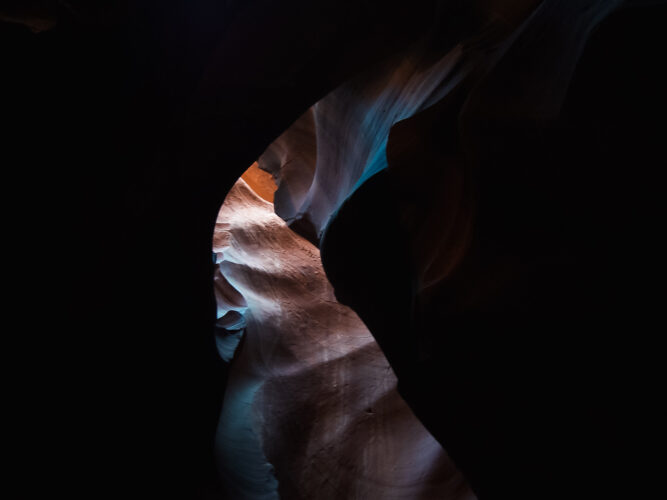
[[480, 181], [309, 390]]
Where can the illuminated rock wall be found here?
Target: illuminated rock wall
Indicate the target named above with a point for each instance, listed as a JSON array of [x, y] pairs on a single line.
[[309, 390]]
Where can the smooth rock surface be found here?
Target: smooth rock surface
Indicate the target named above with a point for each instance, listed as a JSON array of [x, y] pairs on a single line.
[[309, 390]]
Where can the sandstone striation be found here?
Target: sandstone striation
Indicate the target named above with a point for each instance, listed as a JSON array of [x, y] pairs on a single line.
[[309, 390]]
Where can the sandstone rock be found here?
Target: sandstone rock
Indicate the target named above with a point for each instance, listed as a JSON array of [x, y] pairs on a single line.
[[309, 391]]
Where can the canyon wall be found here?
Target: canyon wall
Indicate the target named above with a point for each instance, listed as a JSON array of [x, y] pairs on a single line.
[[311, 408]]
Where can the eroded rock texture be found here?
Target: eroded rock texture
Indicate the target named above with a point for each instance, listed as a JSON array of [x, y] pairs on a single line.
[[452, 199], [309, 389], [508, 260], [341, 141]]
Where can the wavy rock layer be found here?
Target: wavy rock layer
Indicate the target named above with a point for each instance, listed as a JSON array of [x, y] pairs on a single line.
[[309, 389], [526, 337], [341, 141], [465, 200]]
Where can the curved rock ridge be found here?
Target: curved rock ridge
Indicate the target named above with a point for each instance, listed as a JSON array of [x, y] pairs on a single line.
[[464, 198], [309, 390], [509, 260], [291, 159], [341, 140], [504, 229]]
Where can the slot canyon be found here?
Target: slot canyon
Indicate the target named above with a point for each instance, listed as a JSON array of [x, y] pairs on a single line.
[[335, 250]]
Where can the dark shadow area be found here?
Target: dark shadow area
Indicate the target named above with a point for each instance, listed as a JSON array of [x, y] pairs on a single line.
[[123, 135]]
